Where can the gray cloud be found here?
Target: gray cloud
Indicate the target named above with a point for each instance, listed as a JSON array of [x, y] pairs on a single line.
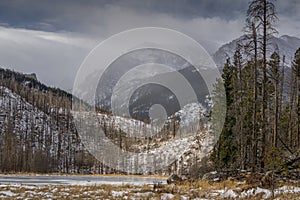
[[91, 15], [70, 15], [54, 57]]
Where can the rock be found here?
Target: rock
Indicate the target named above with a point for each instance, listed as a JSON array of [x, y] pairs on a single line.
[[216, 179], [174, 178], [31, 76], [292, 174], [254, 179], [268, 180], [212, 176], [157, 186]]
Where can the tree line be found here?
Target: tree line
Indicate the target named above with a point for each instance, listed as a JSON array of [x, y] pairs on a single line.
[[261, 130], [37, 129]]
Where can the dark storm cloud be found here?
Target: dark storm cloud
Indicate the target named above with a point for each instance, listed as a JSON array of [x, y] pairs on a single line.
[[227, 9], [73, 15], [89, 16], [42, 14], [78, 15]]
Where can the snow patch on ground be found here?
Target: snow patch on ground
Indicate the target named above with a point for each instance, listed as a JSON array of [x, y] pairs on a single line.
[[118, 193], [167, 196], [138, 192], [230, 194], [8, 193]]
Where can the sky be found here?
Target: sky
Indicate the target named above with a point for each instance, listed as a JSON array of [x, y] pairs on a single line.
[[52, 38]]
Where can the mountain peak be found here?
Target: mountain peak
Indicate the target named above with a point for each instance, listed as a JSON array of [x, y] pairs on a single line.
[[288, 37], [31, 76], [287, 46]]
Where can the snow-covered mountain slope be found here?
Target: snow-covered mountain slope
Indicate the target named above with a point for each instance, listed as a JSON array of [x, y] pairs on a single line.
[[36, 120], [141, 79], [149, 143], [187, 118], [286, 45], [51, 141], [44, 141]]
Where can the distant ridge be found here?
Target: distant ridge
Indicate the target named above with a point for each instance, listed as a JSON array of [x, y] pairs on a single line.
[[31, 81], [287, 46]]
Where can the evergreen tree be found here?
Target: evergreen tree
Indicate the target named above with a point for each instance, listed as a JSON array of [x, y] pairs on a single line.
[[296, 70], [274, 64], [224, 155]]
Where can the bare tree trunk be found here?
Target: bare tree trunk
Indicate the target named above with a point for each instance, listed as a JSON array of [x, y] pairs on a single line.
[[241, 113], [290, 127], [275, 76], [264, 83], [282, 77], [275, 115], [298, 106], [254, 115]]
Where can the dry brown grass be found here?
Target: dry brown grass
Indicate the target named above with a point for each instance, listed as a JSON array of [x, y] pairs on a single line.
[[198, 189]]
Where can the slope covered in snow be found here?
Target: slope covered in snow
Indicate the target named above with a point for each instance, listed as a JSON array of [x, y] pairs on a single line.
[[40, 141], [49, 142]]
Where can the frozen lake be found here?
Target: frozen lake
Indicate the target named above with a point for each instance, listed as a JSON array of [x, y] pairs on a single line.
[[78, 179]]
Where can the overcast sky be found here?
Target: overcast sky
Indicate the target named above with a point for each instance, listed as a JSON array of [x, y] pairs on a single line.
[[51, 38]]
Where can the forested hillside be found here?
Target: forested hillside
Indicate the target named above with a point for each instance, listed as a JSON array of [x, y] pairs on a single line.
[[38, 133]]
